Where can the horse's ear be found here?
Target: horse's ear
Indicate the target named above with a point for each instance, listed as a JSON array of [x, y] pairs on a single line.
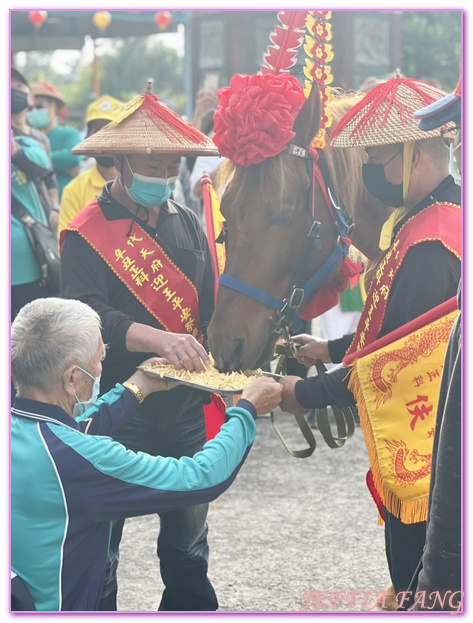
[[307, 122]]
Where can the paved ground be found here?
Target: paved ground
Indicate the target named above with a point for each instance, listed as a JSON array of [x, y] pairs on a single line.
[[287, 530]]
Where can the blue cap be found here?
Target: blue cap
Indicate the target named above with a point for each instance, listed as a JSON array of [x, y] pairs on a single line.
[[440, 112]]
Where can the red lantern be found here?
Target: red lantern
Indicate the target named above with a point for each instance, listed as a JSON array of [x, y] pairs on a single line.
[[163, 19], [37, 18]]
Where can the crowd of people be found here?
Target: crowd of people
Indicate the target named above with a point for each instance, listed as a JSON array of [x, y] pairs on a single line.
[[94, 439]]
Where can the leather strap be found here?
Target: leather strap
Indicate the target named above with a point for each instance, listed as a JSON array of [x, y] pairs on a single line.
[[344, 420], [305, 429]]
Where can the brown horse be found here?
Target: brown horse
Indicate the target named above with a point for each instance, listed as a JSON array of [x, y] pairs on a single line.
[[268, 217]]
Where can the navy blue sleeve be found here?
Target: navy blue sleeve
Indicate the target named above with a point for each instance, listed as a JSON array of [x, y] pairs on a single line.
[[338, 348], [326, 389], [249, 406], [122, 483], [111, 411]]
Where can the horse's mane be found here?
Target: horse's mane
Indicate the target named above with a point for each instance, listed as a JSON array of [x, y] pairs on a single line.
[[241, 182], [345, 164]]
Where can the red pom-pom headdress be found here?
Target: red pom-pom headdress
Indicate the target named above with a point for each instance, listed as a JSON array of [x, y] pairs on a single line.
[[255, 117]]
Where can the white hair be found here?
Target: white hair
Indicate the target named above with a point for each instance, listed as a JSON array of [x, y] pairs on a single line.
[[49, 335]]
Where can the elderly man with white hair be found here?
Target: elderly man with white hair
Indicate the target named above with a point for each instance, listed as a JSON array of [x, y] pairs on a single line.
[[68, 480]]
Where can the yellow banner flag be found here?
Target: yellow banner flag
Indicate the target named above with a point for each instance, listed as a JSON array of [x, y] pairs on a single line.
[[397, 390], [214, 223]]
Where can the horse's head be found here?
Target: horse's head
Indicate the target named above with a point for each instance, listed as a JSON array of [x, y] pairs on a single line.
[[268, 213], [268, 216]]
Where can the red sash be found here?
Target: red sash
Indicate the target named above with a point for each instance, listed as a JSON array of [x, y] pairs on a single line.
[[145, 269], [153, 279], [440, 221]]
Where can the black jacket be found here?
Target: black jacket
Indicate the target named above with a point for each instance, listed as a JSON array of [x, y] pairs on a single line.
[[429, 275], [85, 276]]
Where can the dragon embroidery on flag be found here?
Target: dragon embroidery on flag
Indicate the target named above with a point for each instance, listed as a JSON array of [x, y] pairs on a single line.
[[420, 344], [401, 455]]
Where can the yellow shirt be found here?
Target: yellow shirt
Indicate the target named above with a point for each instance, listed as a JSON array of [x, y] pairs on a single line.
[[78, 194]]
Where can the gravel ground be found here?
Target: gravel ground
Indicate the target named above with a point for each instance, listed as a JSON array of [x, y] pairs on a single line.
[[286, 536]]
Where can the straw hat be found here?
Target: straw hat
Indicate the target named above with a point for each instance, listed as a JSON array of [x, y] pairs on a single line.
[[147, 126], [47, 90], [105, 107], [385, 115], [442, 111]]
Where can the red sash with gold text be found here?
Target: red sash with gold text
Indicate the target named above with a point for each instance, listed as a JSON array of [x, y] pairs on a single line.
[[440, 221], [145, 269]]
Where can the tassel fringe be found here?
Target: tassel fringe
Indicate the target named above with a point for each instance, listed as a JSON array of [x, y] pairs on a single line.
[[408, 511]]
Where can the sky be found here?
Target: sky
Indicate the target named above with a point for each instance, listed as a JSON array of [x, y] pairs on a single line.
[[61, 59]]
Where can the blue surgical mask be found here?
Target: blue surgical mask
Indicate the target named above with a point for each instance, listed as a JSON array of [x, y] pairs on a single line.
[[38, 118], [150, 191], [82, 407]]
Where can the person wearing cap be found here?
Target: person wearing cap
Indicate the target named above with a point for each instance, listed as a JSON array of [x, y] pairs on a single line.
[[47, 101], [142, 261], [407, 169], [45, 181], [441, 565], [86, 186]]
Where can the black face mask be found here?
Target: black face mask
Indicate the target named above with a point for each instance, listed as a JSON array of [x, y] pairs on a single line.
[[375, 181], [377, 184], [106, 163], [19, 101]]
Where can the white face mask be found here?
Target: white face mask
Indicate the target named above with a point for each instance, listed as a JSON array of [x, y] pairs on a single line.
[[453, 164], [82, 407]]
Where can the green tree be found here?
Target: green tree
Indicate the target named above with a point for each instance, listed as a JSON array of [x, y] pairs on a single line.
[[431, 46], [126, 70]]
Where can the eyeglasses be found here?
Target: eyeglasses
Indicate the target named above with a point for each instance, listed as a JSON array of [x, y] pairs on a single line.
[[449, 135]]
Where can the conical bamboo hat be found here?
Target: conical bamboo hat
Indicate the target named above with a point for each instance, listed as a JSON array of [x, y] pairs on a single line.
[[385, 115], [147, 126]]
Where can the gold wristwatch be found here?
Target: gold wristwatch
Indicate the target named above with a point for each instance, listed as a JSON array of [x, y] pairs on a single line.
[[134, 390]]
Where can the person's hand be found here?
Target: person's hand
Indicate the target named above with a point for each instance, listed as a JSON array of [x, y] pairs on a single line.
[[264, 393], [149, 383], [73, 172], [14, 146], [289, 402], [311, 349], [182, 351], [54, 219]]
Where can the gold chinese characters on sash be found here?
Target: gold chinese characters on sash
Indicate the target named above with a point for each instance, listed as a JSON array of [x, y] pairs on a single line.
[[145, 269], [439, 222]]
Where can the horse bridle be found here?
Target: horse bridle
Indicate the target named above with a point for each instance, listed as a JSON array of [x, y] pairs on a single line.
[[287, 308]]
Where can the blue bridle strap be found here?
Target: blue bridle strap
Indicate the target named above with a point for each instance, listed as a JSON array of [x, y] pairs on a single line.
[[302, 289], [251, 291], [341, 250]]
